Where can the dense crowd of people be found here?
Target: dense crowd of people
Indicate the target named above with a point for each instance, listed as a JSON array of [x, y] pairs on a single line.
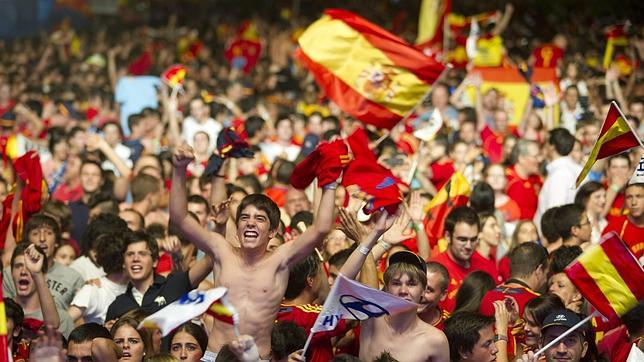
[[133, 213]]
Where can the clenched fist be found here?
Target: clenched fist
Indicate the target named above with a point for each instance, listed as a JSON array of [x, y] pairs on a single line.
[[182, 156]]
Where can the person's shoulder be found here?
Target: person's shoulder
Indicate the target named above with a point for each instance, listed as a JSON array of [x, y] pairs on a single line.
[[432, 335]]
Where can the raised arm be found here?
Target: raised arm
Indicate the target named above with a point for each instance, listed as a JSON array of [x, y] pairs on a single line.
[[352, 266], [200, 271], [324, 219], [210, 243], [34, 261]]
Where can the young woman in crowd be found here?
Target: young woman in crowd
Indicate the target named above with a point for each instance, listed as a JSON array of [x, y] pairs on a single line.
[[188, 342], [136, 344], [592, 196]]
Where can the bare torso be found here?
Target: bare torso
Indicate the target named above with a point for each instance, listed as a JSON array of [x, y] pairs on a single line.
[[419, 343], [256, 292]]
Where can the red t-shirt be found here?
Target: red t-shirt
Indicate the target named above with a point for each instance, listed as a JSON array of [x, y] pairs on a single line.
[[305, 316], [441, 172], [277, 194], [547, 56], [525, 192], [617, 207], [615, 344], [457, 273], [630, 233]]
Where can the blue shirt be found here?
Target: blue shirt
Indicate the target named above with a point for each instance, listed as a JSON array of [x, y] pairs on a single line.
[[133, 94]]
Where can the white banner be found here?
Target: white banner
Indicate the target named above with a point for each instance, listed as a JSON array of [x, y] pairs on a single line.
[[190, 306], [349, 299]]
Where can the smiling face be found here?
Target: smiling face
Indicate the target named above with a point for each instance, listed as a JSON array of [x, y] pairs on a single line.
[[560, 285], [433, 293], [532, 331], [185, 347], [253, 228], [131, 342], [463, 242], [596, 202], [139, 264]]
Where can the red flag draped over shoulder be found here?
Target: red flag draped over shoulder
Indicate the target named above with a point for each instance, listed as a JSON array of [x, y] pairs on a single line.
[[368, 72], [366, 179], [608, 276]]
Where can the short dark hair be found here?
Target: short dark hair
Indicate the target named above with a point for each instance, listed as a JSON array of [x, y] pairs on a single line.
[[253, 125], [623, 156], [134, 120], [37, 221], [21, 248], [436, 267], [562, 140], [110, 247], [286, 338], [264, 203], [87, 332], [584, 192], [143, 185], [198, 199], [298, 274], [548, 224], [99, 225], [385, 356], [344, 357], [195, 331], [567, 216], [339, 258], [150, 242], [462, 330], [482, 197], [304, 216], [332, 119], [526, 258], [463, 214], [564, 255], [14, 312], [284, 170], [251, 181]]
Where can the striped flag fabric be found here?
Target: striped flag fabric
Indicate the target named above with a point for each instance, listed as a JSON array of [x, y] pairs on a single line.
[[456, 192], [4, 348], [368, 72], [223, 311], [191, 305], [349, 299], [513, 88], [608, 276], [616, 136], [174, 75], [431, 21]]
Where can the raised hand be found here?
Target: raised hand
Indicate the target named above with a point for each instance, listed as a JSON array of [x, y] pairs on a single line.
[[416, 208], [501, 316], [397, 230], [350, 226], [182, 156], [219, 213], [170, 244], [245, 349], [48, 347], [34, 259]]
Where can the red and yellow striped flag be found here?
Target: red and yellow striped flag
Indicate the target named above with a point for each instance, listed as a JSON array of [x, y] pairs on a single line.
[[608, 276], [4, 348], [222, 310], [456, 192], [368, 72], [616, 136], [431, 21]]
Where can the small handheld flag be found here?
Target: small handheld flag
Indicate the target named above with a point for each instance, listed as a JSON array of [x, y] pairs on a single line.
[[616, 136]]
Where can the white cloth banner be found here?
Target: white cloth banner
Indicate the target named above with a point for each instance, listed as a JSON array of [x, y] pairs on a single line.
[[349, 299], [191, 305]]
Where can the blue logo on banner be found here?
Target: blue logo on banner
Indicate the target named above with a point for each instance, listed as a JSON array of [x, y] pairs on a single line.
[[362, 309]]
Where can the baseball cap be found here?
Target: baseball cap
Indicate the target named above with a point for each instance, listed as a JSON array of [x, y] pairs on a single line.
[[561, 317], [408, 257]]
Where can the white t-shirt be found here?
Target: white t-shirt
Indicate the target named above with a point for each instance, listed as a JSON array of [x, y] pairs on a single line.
[[86, 268], [96, 300], [191, 126], [272, 150]]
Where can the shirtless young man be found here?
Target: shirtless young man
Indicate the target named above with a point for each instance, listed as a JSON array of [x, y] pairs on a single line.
[[405, 336], [256, 279]]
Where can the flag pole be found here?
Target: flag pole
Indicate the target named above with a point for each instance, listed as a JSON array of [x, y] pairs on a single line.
[[566, 333], [308, 342], [628, 124]]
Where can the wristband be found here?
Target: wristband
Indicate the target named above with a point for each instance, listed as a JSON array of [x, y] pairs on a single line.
[[330, 186], [385, 245], [364, 250], [500, 337]]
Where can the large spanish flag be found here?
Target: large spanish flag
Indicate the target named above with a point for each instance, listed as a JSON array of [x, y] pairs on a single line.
[[616, 136], [608, 276], [514, 89], [456, 192], [368, 72]]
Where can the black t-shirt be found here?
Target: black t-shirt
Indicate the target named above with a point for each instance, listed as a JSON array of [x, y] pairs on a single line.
[[162, 292]]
